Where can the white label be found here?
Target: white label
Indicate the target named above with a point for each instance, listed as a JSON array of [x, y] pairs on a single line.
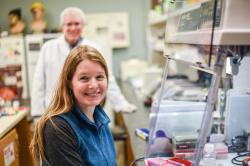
[[10, 80], [9, 154]]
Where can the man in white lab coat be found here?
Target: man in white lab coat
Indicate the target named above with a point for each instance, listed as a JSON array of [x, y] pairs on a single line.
[[51, 59]]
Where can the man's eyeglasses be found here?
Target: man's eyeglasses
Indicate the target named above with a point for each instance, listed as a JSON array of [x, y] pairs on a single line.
[[76, 24]]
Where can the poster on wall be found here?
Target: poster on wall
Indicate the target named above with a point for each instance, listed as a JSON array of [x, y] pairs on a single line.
[[114, 26], [12, 66]]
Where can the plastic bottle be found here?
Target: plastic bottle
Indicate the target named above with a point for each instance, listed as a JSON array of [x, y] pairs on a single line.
[[209, 157]]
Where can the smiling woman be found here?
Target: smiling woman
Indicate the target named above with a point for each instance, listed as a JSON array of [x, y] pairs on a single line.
[[74, 129], [89, 84]]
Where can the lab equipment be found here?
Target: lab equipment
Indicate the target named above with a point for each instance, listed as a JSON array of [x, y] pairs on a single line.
[[203, 34], [237, 113], [175, 118]]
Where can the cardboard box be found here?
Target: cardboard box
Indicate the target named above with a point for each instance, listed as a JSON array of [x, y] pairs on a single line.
[[9, 149]]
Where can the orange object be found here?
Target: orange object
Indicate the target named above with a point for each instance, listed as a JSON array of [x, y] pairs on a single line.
[[7, 93]]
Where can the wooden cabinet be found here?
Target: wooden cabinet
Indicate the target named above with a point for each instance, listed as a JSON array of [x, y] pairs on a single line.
[[15, 134], [9, 149]]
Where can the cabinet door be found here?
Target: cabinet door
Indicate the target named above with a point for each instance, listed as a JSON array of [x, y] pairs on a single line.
[[9, 152]]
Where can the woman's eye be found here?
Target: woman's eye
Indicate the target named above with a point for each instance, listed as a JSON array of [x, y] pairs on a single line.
[[100, 77], [84, 78]]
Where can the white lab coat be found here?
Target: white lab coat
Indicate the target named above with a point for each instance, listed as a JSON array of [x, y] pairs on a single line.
[[51, 59]]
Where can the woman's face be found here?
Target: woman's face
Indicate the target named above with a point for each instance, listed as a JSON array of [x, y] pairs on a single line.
[[89, 83]]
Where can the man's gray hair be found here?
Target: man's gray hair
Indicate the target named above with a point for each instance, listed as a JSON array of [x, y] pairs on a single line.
[[72, 11]]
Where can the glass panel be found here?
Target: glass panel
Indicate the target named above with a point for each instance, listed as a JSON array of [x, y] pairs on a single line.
[[188, 39]]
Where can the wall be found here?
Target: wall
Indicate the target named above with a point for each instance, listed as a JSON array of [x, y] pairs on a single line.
[[136, 9]]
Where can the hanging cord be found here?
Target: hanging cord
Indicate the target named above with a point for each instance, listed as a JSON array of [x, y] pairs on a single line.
[[236, 159], [137, 160]]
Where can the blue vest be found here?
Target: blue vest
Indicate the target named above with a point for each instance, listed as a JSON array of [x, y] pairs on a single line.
[[95, 141]]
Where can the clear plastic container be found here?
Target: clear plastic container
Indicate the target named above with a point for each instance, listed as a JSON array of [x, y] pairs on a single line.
[[177, 118], [209, 157]]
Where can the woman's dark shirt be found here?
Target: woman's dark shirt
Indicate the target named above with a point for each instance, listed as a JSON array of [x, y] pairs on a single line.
[[76, 141]]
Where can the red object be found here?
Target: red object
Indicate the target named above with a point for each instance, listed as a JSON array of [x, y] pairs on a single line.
[[167, 162], [183, 161], [8, 93]]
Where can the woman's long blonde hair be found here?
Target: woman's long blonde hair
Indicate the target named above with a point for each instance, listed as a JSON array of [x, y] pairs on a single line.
[[62, 101]]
